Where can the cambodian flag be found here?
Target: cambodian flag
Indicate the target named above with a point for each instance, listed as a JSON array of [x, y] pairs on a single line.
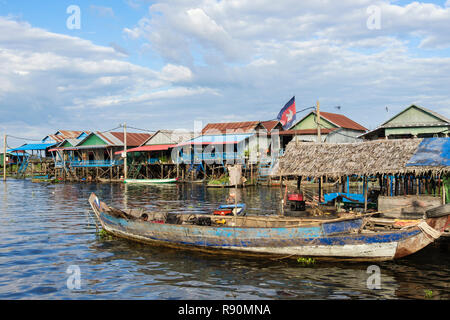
[[287, 114]]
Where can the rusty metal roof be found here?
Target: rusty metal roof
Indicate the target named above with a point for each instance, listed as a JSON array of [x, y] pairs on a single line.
[[117, 138], [230, 127], [270, 125], [342, 121], [305, 132], [338, 120], [62, 135]]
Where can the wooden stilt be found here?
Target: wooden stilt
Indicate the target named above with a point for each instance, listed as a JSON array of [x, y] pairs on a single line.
[[320, 191], [366, 182]]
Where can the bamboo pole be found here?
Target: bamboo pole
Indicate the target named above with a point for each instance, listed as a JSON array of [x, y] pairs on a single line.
[[443, 192], [125, 168], [319, 139]]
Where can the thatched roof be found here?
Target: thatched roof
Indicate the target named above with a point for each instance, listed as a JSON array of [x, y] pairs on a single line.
[[340, 159]]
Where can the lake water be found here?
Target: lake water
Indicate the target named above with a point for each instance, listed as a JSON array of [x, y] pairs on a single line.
[[47, 230]]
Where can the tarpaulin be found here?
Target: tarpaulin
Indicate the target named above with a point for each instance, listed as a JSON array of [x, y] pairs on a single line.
[[434, 152]]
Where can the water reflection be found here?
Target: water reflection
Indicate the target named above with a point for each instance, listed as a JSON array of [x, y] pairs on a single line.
[[44, 229]]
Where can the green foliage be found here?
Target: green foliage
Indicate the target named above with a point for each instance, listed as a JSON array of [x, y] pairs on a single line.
[[103, 234], [221, 181], [306, 261], [428, 294]]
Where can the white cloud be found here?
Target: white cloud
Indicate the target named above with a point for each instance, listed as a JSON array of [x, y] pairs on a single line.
[[102, 11], [235, 29], [57, 80], [236, 59], [174, 73]]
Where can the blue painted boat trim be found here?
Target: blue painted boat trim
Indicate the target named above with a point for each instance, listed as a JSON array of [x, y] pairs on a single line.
[[206, 236]]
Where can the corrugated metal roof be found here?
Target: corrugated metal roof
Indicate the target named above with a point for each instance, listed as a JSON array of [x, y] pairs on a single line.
[[117, 138], [33, 146], [169, 137], [228, 127], [62, 135], [74, 142], [342, 121], [159, 147], [217, 139], [270, 125], [444, 120], [338, 119], [305, 131]]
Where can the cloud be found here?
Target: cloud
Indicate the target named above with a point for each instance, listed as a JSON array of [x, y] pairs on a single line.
[[236, 30], [232, 59], [102, 11], [274, 49], [52, 80], [119, 49]]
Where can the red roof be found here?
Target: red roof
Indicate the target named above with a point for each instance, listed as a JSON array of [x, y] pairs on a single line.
[[66, 134], [270, 125], [117, 138], [305, 131], [342, 121], [157, 147], [218, 128]]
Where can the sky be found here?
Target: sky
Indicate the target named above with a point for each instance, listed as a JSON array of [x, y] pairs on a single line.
[[171, 64]]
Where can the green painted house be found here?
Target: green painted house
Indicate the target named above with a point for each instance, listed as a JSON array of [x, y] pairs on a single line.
[[334, 128], [412, 122], [98, 148]]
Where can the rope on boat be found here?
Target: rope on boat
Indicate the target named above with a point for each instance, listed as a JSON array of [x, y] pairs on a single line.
[[427, 229]]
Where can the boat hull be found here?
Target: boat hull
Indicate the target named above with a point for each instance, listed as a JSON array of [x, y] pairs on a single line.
[[332, 240], [150, 181]]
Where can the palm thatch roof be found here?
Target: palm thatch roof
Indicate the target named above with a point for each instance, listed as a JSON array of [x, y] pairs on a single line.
[[340, 159]]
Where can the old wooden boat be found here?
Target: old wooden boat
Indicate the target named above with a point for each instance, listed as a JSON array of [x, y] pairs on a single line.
[[341, 238], [151, 181]]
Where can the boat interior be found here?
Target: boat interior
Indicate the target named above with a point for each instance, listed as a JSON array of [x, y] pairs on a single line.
[[371, 222]]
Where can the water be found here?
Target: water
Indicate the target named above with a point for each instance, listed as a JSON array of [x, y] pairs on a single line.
[[45, 229]]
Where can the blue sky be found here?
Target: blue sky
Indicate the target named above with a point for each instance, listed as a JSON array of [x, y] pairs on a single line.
[[166, 64]]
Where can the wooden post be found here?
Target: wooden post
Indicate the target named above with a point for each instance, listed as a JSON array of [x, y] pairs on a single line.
[[4, 158], [443, 192], [320, 190], [321, 183], [125, 165], [366, 183], [319, 139], [299, 182]]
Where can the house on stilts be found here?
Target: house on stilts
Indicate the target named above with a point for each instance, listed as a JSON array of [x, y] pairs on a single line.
[[412, 122], [402, 177]]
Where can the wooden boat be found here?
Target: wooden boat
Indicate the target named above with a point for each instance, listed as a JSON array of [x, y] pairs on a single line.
[[229, 209], [341, 238], [151, 181]]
